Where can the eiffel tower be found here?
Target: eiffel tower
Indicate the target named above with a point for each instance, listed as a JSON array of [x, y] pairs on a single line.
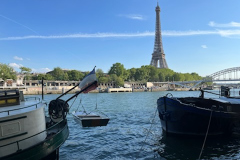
[[158, 55]]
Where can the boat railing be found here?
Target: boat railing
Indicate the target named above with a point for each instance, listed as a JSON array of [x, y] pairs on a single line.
[[30, 98], [56, 128], [11, 110]]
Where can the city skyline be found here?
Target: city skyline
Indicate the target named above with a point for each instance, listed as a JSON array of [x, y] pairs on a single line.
[[200, 36]]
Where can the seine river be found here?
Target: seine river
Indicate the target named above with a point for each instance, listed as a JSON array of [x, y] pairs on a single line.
[[134, 131]]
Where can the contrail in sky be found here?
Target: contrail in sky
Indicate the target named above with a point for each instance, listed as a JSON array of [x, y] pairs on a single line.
[[18, 23], [222, 33]]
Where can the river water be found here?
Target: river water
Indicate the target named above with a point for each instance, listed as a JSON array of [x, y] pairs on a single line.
[[134, 131]]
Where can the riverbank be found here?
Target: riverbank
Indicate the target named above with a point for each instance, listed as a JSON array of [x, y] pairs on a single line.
[[38, 90]]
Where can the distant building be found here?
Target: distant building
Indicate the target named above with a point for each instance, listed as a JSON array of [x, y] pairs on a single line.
[[158, 56]]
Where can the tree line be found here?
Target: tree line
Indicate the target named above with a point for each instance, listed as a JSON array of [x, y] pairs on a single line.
[[117, 74]]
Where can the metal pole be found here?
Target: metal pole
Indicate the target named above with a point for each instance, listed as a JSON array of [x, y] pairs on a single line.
[[42, 88], [76, 94], [68, 91]]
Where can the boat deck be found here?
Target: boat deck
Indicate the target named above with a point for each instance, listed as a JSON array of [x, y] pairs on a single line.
[[230, 100], [24, 106]]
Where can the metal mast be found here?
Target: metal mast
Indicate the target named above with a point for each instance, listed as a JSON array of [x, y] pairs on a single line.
[[158, 55]]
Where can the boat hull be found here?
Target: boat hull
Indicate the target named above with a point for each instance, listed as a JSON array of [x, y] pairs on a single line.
[[182, 119], [48, 149]]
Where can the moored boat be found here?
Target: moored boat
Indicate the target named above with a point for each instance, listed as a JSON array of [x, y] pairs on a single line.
[[26, 132], [198, 115]]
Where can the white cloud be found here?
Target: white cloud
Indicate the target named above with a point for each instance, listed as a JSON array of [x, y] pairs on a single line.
[[41, 70], [84, 35], [219, 25], [229, 33], [15, 65], [223, 33], [204, 46], [188, 33], [18, 58], [137, 17], [133, 16]]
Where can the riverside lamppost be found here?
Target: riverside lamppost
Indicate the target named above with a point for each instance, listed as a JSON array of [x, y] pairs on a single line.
[[24, 80], [168, 83]]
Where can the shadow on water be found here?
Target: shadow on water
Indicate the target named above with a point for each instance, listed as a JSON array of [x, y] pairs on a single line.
[[175, 147]]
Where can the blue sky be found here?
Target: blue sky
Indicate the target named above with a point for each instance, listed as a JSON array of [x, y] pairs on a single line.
[[199, 36]]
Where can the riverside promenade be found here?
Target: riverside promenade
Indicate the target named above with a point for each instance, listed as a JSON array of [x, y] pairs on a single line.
[[47, 90], [33, 87]]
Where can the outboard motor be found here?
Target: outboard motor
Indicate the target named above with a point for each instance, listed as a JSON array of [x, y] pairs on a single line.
[[58, 110]]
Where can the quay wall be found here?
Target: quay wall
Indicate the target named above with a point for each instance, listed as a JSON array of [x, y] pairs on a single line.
[[110, 90], [38, 90]]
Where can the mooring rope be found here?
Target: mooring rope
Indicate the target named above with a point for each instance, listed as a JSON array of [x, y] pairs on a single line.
[[72, 103], [149, 130], [206, 135], [80, 102]]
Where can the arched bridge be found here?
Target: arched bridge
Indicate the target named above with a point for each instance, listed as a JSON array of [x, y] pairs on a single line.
[[229, 74]]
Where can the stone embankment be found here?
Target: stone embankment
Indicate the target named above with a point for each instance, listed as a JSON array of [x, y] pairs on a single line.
[[38, 90]]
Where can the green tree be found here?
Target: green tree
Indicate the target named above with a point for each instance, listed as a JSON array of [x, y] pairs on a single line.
[[141, 74], [25, 70], [103, 80], [47, 77], [58, 74], [161, 77], [75, 75], [131, 74], [118, 81], [119, 70], [7, 72], [196, 76], [99, 73], [153, 74], [65, 76], [178, 76], [44, 76], [188, 77]]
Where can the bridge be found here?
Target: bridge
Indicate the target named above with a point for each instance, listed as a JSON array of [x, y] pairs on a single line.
[[230, 74], [230, 77]]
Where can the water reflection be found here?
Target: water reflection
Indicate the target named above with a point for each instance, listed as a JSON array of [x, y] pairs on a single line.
[[172, 147]]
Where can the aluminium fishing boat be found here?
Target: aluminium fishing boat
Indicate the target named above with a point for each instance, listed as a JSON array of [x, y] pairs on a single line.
[[197, 116], [26, 132]]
